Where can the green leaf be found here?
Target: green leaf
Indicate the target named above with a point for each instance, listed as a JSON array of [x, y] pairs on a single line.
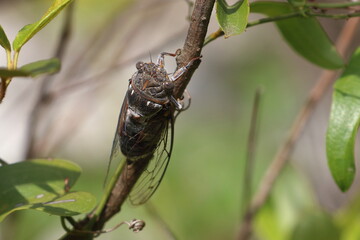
[[27, 32], [4, 41], [316, 225], [232, 19], [43, 66], [42, 185], [6, 73], [33, 69], [344, 123], [304, 34]]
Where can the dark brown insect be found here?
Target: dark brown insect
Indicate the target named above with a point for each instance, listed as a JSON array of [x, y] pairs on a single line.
[[146, 116]]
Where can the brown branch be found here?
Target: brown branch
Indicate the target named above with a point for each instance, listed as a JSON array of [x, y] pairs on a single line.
[[121, 190], [326, 79], [194, 42]]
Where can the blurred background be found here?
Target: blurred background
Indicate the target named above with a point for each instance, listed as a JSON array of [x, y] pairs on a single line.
[[201, 194]]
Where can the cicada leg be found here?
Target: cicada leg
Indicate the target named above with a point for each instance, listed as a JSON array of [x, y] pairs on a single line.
[[183, 106], [183, 69], [161, 62]]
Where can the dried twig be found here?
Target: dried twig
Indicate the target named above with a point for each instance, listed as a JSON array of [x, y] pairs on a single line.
[[250, 156], [282, 156]]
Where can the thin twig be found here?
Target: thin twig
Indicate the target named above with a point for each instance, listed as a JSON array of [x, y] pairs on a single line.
[[219, 32], [326, 79], [250, 153]]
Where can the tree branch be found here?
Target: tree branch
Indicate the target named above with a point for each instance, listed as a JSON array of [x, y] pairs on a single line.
[[194, 42]]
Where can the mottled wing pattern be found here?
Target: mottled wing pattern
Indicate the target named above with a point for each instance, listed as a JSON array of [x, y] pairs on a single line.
[[151, 178]]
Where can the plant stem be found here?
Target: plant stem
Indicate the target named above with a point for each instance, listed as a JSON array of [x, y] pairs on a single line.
[[8, 58], [15, 60], [334, 16], [273, 19], [2, 89], [220, 33], [109, 188], [250, 152], [332, 5]]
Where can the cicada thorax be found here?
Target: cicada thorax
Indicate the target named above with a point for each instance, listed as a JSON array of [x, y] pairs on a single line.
[[148, 111]]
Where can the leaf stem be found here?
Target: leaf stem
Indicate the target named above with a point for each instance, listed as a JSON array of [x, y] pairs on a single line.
[[331, 5], [220, 33], [15, 61], [11, 65], [273, 19], [308, 13], [8, 58], [334, 16]]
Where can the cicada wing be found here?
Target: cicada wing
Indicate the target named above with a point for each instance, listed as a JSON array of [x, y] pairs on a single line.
[[152, 176], [116, 156]]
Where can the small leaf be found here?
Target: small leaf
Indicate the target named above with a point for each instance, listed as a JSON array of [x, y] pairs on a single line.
[[232, 19], [33, 69], [344, 123], [304, 34], [6, 73], [41, 185], [43, 66], [4, 41], [27, 32]]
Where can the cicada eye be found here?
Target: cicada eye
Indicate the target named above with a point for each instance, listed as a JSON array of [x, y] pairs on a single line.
[[139, 65], [169, 87]]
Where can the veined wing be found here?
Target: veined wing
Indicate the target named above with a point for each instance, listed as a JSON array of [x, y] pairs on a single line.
[[116, 155], [152, 176]]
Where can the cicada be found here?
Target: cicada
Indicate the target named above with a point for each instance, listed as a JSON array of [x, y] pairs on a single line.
[[145, 131]]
